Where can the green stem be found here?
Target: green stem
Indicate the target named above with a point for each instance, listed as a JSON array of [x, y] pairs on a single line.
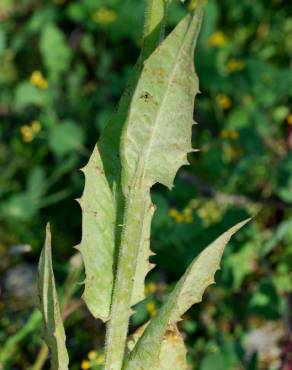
[[41, 358], [135, 212], [154, 25], [121, 304]]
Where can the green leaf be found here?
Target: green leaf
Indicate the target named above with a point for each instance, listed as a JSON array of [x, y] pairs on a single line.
[[153, 148], [102, 206], [27, 94], [158, 131], [172, 352], [19, 206], [55, 51], [36, 182], [66, 137], [224, 359], [98, 235], [55, 334], [188, 291], [241, 264]]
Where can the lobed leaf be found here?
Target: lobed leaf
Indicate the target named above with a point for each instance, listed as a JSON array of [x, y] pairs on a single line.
[[188, 291], [157, 135], [102, 206], [55, 334]]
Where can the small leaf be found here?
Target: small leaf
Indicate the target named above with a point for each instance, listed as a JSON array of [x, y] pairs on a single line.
[[55, 334], [19, 206], [66, 137], [27, 94], [54, 49], [188, 291]]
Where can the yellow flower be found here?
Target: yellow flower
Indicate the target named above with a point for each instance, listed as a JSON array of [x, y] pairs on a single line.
[[233, 134], [104, 16], [36, 126], [179, 218], [289, 119], [173, 212], [223, 101], [27, 134], [188, 216], [217, 39], [85, 365], [151, 309], [150, 288], [188, 219], [92, 355], [38, 80], [100, 360], [229, 134], [234, 65], [231, 153], [224, 134]]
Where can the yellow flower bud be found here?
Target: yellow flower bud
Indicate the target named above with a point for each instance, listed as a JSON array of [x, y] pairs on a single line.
[[217, 39], [92, 355], [104, 16], [85, 365], [223, 101], [36, 126], [151, 308]]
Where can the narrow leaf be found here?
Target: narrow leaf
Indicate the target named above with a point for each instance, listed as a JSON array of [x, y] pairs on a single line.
[[188, 291], [55, 334]]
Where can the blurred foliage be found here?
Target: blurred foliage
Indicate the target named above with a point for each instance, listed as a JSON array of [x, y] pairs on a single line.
[[63, 66]]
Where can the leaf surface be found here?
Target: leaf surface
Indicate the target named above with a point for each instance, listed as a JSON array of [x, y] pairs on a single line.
[[55, 334], [172, 351], [102, 206], [187, 292], [158, 131]]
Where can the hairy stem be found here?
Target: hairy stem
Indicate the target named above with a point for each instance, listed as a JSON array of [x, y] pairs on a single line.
[[121, 304], [135, 210]]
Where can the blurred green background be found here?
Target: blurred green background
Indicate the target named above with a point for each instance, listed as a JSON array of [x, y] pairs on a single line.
[[63, 66]]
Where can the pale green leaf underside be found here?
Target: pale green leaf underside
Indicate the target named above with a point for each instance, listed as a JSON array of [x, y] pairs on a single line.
[[158, 131], [188, 291], [103, 200], [172, 351], [102, 206], [98, 237], [55, 334]]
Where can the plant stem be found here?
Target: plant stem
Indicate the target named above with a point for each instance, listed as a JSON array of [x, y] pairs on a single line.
[[135, 211], [121, 304], [154, 25], [41, 358]]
